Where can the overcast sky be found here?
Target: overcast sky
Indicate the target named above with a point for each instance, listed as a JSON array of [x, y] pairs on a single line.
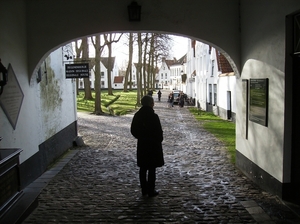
[[180, 44]]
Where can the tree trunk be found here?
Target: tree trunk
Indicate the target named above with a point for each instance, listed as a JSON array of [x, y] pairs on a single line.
[[98, 51], [109, 68], [145, 80], [151, 62], [77, 86], [128, 70], [85, 57], [139, 70], [78, 50]]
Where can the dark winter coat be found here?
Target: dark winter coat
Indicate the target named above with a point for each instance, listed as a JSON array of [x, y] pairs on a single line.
[[146, 127]]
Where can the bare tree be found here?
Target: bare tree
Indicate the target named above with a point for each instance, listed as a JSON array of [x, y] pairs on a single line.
[[78, 50], [152, 66], [139, 70], [109, 39], [158, 47], [85, 57], [145, 78], [129, 66], [98, 51]]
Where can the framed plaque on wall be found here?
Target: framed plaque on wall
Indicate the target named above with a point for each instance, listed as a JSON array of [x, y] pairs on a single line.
[[245, 93], [259, 95]]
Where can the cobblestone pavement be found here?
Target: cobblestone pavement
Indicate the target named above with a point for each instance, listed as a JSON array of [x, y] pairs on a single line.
[[198, 184]]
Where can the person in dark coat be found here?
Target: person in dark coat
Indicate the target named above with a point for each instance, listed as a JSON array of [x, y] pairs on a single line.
[[181, 99], [159, 95], [146, 127]]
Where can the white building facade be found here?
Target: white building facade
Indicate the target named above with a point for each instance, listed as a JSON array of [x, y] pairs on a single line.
[[177, 69], [212, 89], [163, 75]]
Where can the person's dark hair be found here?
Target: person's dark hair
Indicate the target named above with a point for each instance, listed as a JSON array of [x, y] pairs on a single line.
[[147, 100]]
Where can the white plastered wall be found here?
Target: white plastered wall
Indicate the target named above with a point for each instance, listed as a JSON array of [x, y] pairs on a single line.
[[263, 56], [13, 51], [35, 124]]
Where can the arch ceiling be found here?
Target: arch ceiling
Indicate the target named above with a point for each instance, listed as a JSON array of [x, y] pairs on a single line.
[[54, 23]]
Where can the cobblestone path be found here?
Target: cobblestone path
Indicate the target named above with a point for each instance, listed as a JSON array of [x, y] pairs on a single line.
[[198, 184]]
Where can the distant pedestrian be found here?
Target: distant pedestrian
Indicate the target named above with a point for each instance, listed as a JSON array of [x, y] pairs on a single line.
[[146, 127], [181, 99], [170, 100], [159, 95]]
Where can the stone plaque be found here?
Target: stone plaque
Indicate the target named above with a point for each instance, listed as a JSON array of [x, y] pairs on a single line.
[[12, 98], [259, 89]]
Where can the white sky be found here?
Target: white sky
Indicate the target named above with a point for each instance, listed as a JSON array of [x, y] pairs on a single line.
[[180, 45]]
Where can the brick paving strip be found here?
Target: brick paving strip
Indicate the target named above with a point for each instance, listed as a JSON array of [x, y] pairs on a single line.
[[99, 184]]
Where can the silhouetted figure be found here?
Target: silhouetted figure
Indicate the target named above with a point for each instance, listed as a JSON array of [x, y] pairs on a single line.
[[159, 95], [146, 127]]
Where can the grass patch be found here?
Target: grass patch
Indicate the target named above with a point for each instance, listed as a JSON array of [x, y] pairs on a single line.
[[120, 103], [221, 129], [125, 103]]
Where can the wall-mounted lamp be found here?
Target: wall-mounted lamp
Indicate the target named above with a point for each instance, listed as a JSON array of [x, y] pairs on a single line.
[[134, 12], [3, 77]]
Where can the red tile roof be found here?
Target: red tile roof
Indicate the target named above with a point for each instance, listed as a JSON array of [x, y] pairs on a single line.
[[118, 79], [223, 64]]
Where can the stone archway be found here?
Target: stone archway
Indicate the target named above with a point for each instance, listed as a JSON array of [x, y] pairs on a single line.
[[70, 21]]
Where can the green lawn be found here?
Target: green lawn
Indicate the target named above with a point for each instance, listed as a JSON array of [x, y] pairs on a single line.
[[119, 103], [222, 129]]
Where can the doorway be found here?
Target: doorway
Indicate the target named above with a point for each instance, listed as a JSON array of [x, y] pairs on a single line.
[[228, 105]]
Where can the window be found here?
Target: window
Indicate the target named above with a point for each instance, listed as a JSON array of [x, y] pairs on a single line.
[[212, 68], [210, 93], [166, 76], [162, 75], [215, 94], [102, 83], [102, 74]]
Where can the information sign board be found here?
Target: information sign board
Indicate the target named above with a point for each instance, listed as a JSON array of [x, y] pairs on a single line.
[[77, 70], [259, 101]]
